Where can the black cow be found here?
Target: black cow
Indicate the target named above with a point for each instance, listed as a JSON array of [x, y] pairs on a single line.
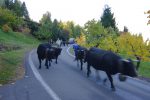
[[109, 62], [50, 53], [47, 52], [57, 52], [43, 51], [80, 55]]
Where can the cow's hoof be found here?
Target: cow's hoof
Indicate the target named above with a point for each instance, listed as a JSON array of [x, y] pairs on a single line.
[[105, 80], [39, 67], [122, 78], [47, 67], [113, 89], [88, 75]]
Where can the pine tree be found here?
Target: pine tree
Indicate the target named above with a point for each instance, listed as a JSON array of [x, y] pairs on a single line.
[[17, 8], [24, 10], [108, 19], [8, 4]]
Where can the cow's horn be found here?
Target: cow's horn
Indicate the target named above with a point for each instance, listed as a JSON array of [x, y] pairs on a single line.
[[125, 60], [136, 60]]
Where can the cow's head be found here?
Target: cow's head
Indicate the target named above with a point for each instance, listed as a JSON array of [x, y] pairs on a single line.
[[80, 54], [59, 50], [49, 53], [128, 68], [85, 55]]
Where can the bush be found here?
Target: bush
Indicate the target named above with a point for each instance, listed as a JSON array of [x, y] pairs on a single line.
[[26, 30], [6, 28], [8, 17]]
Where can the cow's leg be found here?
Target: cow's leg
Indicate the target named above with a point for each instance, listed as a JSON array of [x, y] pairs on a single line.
[[46, 63], [56, 60], [39, 63], [81, 63], [98, 77], [88, 70], [49, 62], [111, 81], [77, 62]]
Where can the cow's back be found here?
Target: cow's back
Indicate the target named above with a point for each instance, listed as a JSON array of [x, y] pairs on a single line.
[[57, 51], [42, 49]]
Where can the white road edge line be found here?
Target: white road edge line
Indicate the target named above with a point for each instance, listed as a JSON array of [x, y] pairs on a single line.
[[40, 79], [69, 52]]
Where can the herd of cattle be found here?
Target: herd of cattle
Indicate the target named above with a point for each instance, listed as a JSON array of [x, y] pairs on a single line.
[[99, 59]]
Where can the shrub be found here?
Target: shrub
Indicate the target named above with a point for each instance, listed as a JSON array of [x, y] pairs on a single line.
[[26, 30], [6, 28]]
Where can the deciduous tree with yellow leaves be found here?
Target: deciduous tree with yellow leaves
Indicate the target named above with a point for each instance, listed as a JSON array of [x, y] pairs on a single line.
[[133, 45]]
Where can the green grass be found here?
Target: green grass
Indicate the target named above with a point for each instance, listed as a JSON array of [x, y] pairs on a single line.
[[71, 51], [10, 59], [144, 69]]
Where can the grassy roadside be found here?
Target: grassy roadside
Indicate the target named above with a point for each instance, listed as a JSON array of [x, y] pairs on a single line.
[[13, 47], [144, 69], [71, 51]]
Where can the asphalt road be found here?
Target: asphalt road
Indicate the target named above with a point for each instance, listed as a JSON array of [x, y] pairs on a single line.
[[65, 81]]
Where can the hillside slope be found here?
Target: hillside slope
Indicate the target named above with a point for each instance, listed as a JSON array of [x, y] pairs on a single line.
[[13, 46]]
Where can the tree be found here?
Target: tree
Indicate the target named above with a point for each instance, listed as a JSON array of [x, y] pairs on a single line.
[[46, 18], [17, 8], [45, 31], [69, 25], [81, 39], [148, 12], [148, 46], [64, 35], [55, 30], [133, 45], [33, 26], [125, 29], [63, 31], [2, 2], [77, 31], [25, 11], [8, 4], [107, 19], [9, 18], [94, 32]]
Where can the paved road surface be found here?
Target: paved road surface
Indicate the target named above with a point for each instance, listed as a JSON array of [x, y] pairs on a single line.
[[65, 81]]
